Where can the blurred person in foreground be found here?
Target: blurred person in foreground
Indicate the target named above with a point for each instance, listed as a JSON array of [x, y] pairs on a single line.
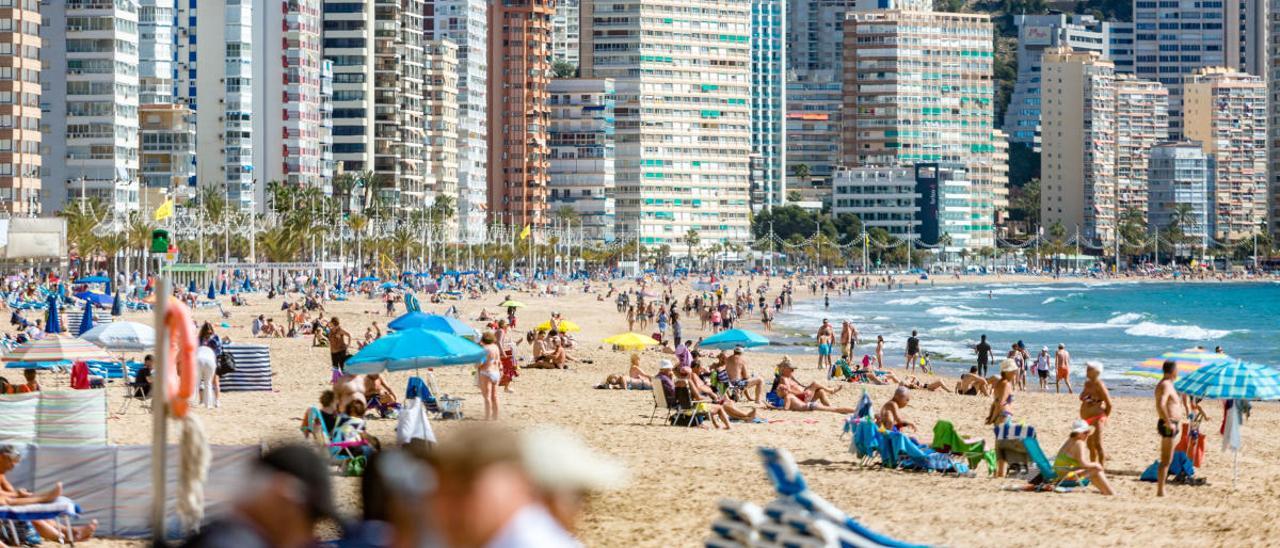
[[499, 489], [287, 493]]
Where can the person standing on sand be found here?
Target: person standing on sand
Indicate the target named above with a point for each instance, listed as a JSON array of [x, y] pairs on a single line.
[[1042, 368], [1063, 361], [846, 337], [913, 351], [488, 373], [879, 351], [1171, 411], [983, 349], [1002, 396], [1095, 408], [339, 342]]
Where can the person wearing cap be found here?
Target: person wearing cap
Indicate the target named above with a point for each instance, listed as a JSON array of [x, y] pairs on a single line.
[[1042, 368], [486, 493], [1063, 362], [741, 379], [797, 397], [1002, 400], [287, 493], [10, 456], [1071, 462], [1095, 408], [891, 417]]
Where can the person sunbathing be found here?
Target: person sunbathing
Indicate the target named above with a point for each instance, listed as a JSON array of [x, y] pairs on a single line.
[[1073, 458], [381, 396], [971, 384], [349, 388], [543, 356], [812, 397], [713, 410], [914, 383], [702, 390], [736, 366], [637, 377], [11, 496], [891, 417]]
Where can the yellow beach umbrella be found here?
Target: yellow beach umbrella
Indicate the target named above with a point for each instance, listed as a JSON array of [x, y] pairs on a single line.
[[510, 304], [565, 326], [631, 341]]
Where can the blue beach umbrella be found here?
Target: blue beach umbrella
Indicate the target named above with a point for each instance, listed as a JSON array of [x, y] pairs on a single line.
[[86, 321], [224, 287], [94, 299], [246, 286], [117, 306], [52, 321], [366, 279], [212, 293], [387, 285], [1232, 380], [726, 340], [432, 322], [414, 349], [191, 286], [93, 280], [108, 289]]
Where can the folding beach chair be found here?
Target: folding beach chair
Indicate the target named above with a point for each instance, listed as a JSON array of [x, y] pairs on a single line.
[[60, 511], [660, 403], [692, 411], [947, 440], [1050, 478]]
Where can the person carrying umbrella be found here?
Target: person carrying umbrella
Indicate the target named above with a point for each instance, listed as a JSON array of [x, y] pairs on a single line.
[[1169, 407]]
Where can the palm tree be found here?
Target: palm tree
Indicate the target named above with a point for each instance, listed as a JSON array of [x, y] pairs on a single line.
[[691, 240], [358, 223], [944, 242]]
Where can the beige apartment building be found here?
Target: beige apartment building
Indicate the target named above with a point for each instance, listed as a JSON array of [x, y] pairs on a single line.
[[683, 124], [1226, 110], [918, 89], [440, 108], [20, 115], [1098, 129]]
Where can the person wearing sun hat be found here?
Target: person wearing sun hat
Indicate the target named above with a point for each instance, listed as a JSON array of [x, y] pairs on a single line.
[[666, 376], [1002, 396], [1072, 459]]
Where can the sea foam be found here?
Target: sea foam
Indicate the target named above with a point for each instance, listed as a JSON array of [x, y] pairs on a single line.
[[1184, 332]]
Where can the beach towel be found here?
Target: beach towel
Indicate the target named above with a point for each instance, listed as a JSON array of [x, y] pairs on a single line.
[[413, 423], [947, 440], [866, 438], [62, 506]]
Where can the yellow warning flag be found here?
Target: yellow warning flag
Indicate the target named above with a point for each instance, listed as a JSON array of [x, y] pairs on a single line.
[[165, 210], [524, 233]]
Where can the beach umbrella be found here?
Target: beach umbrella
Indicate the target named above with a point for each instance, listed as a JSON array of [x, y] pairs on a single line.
[[108, 289], [630, 341], [411, 303], [122, 336], [732, 338], [224, 287], [1187, 361], [510, 303], [117, 306], [565, 326], [94, 299], [246, 286], [387, 285], [43, 366], [86, 321], [414, 349], [93, 280], [211, 294], [366, 279], [432, 322], [1236, 380], [54, 348], [52, 321], [191, 286]]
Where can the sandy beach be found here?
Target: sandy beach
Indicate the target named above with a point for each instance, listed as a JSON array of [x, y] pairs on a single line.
[[678, 474]]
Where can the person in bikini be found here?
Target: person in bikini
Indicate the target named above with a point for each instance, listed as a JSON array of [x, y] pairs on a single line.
[[1002, 402], [1171, 411], [1095, 408], [797, 397], [488, 373]]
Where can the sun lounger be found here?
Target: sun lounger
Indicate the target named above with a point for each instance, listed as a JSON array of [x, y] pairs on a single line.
[[60, 511]]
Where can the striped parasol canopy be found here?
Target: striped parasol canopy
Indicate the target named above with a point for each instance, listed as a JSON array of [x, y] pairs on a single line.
[[53, 348], [1187, 360], [1232, 379]]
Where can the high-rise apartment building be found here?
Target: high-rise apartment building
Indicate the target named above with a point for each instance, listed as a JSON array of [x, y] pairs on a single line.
[[814, 107], [157, 40], [327, 165], [1180, 177], [1098, 130], [90, 104], [466, 23], [215, 79], [1141, 121], [288, 123], [936, 108], [349, 45], [1037, 33], [440, 112], [682, 76], [769, 102], [882, 197], [1173, 39], [815, 30], [583, 153], [1273, 116], [1226, 110], [565, 31], [519, 69], [20, 163], [1000, 181], [167, 161]]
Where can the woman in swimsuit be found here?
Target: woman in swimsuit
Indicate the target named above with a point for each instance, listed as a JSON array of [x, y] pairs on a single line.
[[1002, 401], [1071, 460], [488, 373], [1095, 408]]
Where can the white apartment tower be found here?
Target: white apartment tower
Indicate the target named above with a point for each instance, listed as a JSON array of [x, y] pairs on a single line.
[[465, 23], [682, 78], [90, 104], [440, 111], [288, 122], [565, 29], [215, 79], [157, 38]]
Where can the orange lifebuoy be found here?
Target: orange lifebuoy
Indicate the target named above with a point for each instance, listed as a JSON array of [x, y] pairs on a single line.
[[180, 368]]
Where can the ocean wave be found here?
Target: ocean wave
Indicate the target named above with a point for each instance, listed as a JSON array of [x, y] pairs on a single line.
[[1127, 318], [910, 301], [973, 325], [958, 310], [1184, 332], [1051, 300]]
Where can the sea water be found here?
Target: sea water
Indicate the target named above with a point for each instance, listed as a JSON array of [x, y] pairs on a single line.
[[1117, 324]]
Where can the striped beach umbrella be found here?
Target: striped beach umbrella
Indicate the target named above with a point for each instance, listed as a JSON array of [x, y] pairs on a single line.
[[1187, 361], [1232, 380], [54, 348]]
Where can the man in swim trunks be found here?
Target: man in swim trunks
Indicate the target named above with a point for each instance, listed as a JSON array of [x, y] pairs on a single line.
[[913, 351], [1171, 411], [825, 341], [1063, 361], [736, 367], [891, 416], [983, 349]]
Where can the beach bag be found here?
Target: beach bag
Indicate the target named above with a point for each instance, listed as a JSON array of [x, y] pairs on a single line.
[[226, 364]]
